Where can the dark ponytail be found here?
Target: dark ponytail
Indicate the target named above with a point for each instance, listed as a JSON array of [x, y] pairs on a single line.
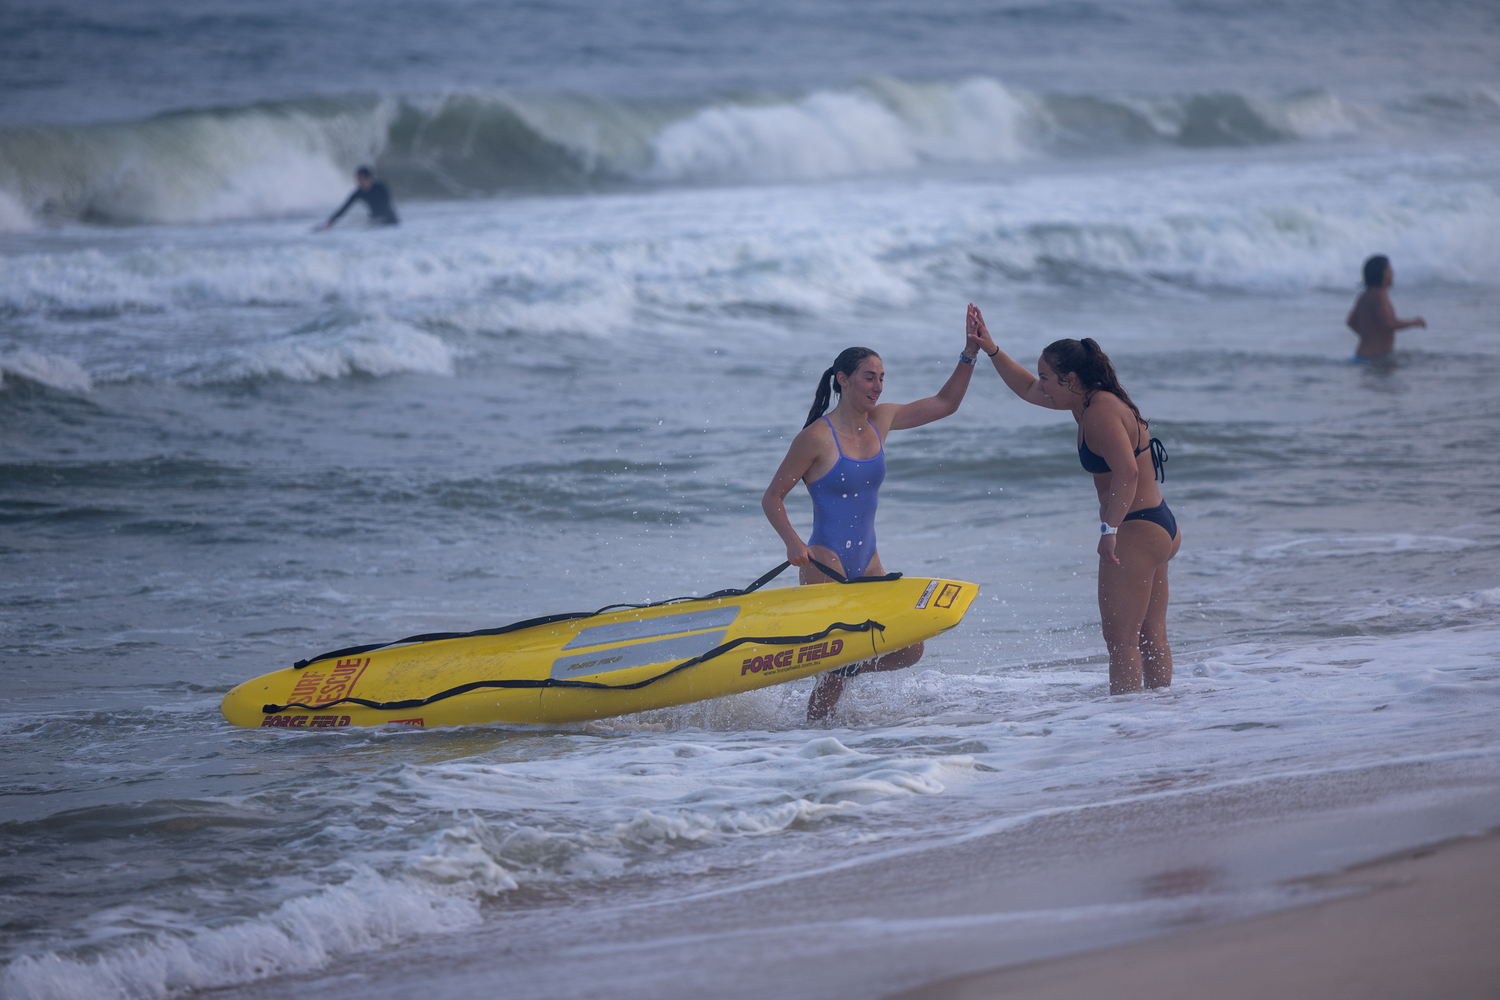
[[847, 362], [1090, 365]]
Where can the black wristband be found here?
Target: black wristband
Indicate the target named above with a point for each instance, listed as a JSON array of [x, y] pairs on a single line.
[[991, 354]]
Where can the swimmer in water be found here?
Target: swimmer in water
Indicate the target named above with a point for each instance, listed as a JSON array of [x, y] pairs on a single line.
[[841, 457], [1373, 319], [1138, 535], [375, 195]]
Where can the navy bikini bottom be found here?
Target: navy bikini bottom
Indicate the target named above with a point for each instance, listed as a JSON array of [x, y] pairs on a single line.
[[1160, 514]]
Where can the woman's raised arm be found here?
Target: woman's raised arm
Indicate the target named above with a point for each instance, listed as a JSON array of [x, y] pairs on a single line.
[[1021, 382], [945, 403]]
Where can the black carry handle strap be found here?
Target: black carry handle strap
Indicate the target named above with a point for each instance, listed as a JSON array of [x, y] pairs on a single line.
[[434, 636], [838, 577], [868, 625], [571, 615]]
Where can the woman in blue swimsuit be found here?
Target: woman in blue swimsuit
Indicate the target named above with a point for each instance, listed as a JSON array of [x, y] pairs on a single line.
[[1138, 534], [841, 457]]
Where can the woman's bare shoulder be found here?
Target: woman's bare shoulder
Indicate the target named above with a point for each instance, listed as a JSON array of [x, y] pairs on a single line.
[[1106, 406], [883, 415], [814, 437], [807, 449], [1106, 410]]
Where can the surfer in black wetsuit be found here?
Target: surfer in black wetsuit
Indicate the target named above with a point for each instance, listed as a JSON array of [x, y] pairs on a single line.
[[374, 194]]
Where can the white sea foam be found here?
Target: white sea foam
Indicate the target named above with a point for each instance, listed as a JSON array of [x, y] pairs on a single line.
[[14, 218], [1316, 115], [1334, 546], [892, 127], [266, 160], [465, 855], [417, 298], [373, 347], [290, 182], [1442, 605], [566, 265], [650, 793], [1479, 599], [50, 370], [364, 913]]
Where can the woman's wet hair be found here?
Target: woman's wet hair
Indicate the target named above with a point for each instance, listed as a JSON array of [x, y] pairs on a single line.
[[1375, 269], [848, 362], [1087, 362]]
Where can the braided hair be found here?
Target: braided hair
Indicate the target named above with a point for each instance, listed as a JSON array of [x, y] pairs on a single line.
[[1090, 365], [848, 362]]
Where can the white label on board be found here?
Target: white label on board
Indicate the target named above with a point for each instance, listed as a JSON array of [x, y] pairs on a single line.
[[927, 594]]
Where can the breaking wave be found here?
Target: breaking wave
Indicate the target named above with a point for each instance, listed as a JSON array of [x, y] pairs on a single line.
[[194, 166], [439, 879], [295, 157], [304, 934], [376, 346], [54, 372]]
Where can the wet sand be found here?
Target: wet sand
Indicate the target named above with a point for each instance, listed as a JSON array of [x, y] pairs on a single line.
[[1420, 923]]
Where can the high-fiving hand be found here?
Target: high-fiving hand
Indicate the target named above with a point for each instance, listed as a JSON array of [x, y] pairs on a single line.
[[978, 333]]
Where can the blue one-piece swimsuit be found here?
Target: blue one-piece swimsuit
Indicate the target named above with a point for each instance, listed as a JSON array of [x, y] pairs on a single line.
[[844, 501]]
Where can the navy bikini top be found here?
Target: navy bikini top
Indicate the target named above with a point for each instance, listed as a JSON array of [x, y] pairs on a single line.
[[1097, 465]]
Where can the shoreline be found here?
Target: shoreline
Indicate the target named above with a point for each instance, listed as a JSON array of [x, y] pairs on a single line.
[[1067, 885], [1418, 922]]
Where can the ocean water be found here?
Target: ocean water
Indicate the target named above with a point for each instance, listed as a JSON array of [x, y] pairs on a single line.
[[632, 236]]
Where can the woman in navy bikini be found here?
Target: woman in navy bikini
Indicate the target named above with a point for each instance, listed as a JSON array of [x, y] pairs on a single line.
[[841, 458], [1137, 533]]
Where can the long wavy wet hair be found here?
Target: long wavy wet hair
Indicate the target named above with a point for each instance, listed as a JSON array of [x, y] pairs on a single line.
[[1090, 365], [847, 362]]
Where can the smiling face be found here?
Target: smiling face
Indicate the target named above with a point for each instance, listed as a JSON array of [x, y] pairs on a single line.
[[1061, 392], [862, 389]]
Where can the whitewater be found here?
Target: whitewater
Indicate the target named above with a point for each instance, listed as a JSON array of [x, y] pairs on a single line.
[[631, 238]]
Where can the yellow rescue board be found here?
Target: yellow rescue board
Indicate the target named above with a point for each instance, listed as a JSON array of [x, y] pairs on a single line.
[[607, 664]]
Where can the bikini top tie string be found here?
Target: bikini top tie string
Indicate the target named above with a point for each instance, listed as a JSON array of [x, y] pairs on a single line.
[[1159, 459]]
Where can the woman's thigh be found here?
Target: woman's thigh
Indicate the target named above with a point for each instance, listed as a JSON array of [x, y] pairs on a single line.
[[1156, 615], [1125, 590]]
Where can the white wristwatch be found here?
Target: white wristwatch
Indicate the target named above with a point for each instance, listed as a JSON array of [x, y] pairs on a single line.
[[1105, 529]]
